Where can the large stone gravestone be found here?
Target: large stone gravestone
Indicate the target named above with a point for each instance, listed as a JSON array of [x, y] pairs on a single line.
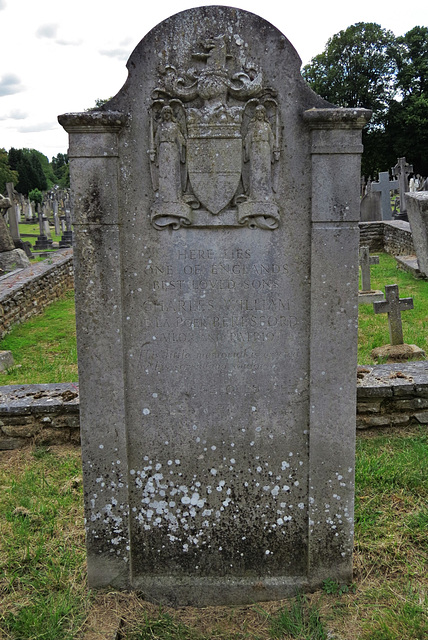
[[216, 298]]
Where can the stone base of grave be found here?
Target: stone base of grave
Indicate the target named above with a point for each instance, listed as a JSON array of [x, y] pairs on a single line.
[[6, 360], [66, 240], [410, 264], [367, 297], [218, 591], [398, 353], [43, 242], [15, 259]]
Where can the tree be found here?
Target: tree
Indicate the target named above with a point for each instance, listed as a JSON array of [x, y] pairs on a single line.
[[412, 62], [6, 172], [61, 169], [356, 69], [29, 168], [406, 124], [35, 195]]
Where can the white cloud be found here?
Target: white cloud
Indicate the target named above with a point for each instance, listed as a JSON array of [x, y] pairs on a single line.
[[15, 114], [67, 43], [119, 53], [47, 31], [10, 84], [37, 127], [2, 4]]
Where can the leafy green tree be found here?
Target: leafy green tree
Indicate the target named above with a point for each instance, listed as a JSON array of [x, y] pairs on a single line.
[[61, 170], [30, 171], [412, 62], [35, 195], [356, 69], [6, 172], [406, 124]]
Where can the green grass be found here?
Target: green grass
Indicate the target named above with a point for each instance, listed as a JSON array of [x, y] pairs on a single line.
[[34, 230], [373, 328], [43, 576], [44, 347], [42, 554]]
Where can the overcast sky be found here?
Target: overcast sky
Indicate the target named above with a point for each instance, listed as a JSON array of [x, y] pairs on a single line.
[[59, 56]]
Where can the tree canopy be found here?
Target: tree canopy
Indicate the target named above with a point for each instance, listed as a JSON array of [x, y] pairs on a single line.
[[7, 174], [367, 66]]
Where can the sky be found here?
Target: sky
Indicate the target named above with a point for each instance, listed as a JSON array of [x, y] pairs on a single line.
[[59, 56]]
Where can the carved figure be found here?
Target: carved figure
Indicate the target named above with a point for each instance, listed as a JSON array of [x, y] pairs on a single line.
[[171, 153], [259, 146]]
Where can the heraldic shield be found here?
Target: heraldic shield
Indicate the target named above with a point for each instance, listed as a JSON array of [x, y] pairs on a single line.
[[214, 160]]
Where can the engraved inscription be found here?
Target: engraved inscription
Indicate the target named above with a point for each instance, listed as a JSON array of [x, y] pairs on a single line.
[[224, 297], [214, 142]]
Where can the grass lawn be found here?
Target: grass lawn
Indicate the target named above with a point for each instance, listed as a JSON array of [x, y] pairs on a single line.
[[34, 231], [43, 577], [373, 328], [44, 347]]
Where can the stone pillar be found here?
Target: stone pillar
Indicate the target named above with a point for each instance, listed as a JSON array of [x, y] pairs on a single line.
[[93, 153], [336, 151]]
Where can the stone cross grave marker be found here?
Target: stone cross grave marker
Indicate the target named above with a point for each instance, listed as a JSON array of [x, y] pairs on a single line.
[[385, 186], [367, 295], [393, 305], [365, 261], [42, 241], [401, 172], [217, 328]]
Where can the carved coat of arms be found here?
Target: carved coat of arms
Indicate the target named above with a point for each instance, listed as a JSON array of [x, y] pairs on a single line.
[[214, 145]]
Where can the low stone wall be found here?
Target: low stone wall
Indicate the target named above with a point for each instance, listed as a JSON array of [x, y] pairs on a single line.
[[40, 414], [27, 292], [394, 237], [48, 414], [391, 395]]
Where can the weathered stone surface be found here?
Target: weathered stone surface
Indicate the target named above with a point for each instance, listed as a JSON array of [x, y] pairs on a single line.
[[417, 211], [6, 360], [15, 259], [216, 254], [398, 352]]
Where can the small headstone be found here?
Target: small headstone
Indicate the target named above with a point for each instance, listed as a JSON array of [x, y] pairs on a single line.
[[6, 360], [216, 271], [370, 206]]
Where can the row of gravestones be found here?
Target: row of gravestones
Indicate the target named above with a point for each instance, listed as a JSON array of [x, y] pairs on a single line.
[[376, 196], [54, 211]]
